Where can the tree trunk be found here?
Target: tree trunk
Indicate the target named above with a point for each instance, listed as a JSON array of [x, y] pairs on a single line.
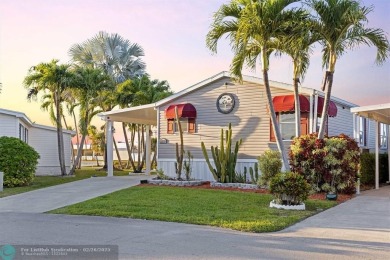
[[129, 151], [138, 150], [79, 150], [77, 135], [179, 151], [105, 148], [65, 123], [154, 159], [81, 145], [60, 136], [297, 109], [324, 115], [117, 153], [275, 125]]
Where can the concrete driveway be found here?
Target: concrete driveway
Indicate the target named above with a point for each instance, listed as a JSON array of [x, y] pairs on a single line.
[[54, 197], [357, 229]]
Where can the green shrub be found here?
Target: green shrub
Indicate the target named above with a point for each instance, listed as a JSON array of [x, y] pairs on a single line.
[[18, 161], [367, 168], [330, 164], [289, 188], [270, 164]]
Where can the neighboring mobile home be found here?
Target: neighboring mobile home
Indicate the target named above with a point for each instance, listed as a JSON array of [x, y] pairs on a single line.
[[42, 138], [212, 104]]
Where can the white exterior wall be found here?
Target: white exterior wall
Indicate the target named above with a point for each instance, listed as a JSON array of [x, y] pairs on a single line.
[[9, 125], [44, 141], [342, 123], [250, 121]]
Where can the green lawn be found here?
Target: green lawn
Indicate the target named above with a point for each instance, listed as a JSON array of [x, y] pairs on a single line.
[[46, 181], [229, 209]]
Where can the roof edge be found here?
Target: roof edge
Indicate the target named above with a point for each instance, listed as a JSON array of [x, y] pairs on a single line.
[[253, 79]]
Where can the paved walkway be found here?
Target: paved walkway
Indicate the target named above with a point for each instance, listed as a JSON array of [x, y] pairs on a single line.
[[356, 229], [43, 200]]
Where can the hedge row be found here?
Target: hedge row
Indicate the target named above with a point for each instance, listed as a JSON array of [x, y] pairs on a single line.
[[367, 168]]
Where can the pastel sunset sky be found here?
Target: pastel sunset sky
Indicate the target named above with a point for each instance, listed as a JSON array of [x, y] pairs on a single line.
[[172, 33]]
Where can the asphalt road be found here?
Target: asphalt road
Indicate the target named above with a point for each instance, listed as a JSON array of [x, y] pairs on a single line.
[[357, 229]]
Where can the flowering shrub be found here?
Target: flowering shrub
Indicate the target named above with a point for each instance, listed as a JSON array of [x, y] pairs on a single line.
[[330, 164]]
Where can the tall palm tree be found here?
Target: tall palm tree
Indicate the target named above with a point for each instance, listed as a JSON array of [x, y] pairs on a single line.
[[52, 80], [252, 27], [341, 25], [88, 83], [296, 43], [117, 56]]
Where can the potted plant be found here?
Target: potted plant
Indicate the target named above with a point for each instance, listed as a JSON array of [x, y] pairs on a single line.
[[289, 190], [331, 191]]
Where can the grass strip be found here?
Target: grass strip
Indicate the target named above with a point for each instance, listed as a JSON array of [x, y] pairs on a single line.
[[236, 210]]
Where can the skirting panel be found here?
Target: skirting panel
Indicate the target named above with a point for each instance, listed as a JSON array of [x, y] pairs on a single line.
[[200, 170]]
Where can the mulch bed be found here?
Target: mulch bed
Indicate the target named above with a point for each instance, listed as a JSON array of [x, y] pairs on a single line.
[[318, 196]]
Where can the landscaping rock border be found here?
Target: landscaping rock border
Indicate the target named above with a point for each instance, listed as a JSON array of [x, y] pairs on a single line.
[[272, 204], [245, 186], [176, 183]]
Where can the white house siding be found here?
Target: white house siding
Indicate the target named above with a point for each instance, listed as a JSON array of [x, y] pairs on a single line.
[[342, 123], [44, 141], [250, 120], [8, 125]]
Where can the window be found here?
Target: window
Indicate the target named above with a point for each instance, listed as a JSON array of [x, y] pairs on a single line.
[[23, 133], [187, 125], [383, 135], [319, 124], [363, 126], [287, 125], [26, 135]]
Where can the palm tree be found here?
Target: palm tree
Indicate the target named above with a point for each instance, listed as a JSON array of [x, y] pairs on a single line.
[[139, 91], [52, 80], [297, 44], [252, 27], [341, 25], [88, 83], [117, 56]]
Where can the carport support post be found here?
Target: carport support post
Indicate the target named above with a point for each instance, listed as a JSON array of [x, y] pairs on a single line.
[[148, 149], [109, 151], [377, 155], [388, 147], [1, 181]]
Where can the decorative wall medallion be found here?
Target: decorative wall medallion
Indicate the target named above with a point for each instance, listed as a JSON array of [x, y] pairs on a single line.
[[225, 103]]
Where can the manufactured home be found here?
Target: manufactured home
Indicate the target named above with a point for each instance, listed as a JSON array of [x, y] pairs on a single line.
[[42, 138], [212, 104]]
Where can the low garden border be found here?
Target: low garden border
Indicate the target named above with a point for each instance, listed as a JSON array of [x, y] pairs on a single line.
[[176, 183], [245, 186]]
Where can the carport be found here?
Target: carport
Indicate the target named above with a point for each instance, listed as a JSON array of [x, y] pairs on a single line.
[[146, 114], [380, 114]]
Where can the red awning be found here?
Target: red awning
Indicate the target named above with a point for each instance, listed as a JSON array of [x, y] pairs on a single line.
[[287, 103], [332, 110], [184, 110]]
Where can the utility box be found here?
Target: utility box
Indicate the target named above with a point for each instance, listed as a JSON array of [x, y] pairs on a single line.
[[1, 181]]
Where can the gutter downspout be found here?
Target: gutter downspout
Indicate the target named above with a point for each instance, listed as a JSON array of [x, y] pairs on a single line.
[[158, 132], [315, 116], [311, 113]]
